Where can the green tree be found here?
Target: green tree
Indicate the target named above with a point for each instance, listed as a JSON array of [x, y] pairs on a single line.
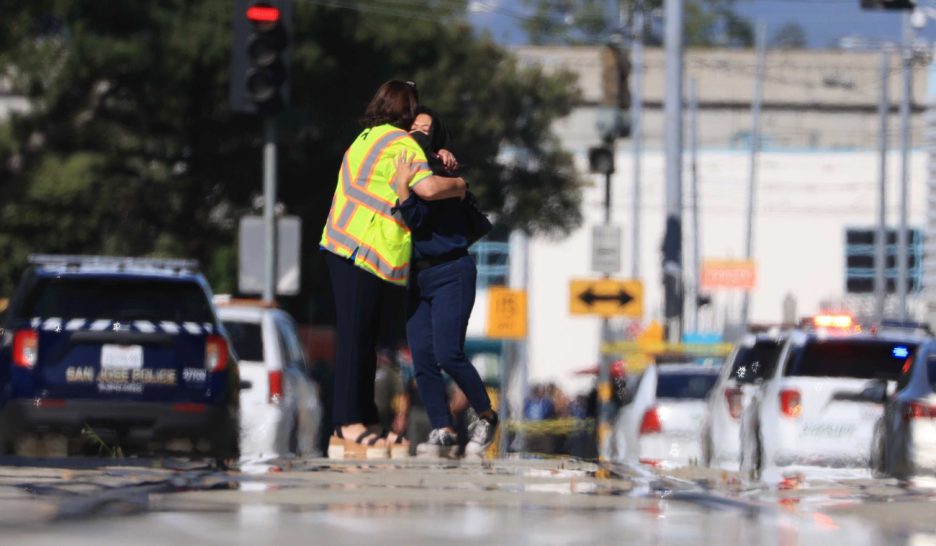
[[790, 35], [130, 146], [707, 22]]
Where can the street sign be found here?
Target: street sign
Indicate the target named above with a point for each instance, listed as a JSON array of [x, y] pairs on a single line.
[[606, 297], [251, 275], [507, 313], [606, 249], [736, 274]]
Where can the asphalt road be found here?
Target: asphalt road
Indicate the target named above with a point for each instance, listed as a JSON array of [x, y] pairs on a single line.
[[515, 501]]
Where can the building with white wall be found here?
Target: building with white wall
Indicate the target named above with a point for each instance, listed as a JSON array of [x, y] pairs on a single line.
[[817, 177]]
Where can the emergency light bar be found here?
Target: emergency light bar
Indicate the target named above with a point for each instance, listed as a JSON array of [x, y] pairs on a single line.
[[79, 262], [833, 321]]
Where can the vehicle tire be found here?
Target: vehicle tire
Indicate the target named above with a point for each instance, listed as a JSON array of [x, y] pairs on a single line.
[[225, 443], [877, 462], [757, 461], [707, 450], [752, 457], [898, 463], [294, 437]]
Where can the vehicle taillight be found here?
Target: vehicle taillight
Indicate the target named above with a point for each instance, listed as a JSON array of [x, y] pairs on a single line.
[[919, 410], [275, 382], [25, 348], [651, 422], [734, 399], [216, 353], [790, 403]]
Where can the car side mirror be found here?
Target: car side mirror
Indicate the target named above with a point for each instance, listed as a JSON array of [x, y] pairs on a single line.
[[876, 391]]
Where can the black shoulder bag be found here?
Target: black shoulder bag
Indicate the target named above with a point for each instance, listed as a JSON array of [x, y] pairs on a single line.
[[478, 223]]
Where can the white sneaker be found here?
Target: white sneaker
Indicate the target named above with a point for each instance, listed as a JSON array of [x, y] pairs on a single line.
[[481, 433], [441, 444]]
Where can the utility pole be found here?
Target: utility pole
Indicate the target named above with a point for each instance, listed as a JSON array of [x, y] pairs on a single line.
[[902, 235], [605, 407], [636, 111], [519, 279], [269, 208], [755, 147], [673, 143], [880, 241], [694, 173]]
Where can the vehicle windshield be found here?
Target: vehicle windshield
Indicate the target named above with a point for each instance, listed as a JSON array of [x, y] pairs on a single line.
[[756, 362], [695, 386], [247, 340], [859, 359], [119, 299]]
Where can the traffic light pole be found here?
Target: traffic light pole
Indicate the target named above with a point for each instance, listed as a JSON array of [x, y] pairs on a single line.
[[755, 148], [880, 240], [269, 208], [637, 62], [902, 235], [673, 148], [694, 173], [605, 408]]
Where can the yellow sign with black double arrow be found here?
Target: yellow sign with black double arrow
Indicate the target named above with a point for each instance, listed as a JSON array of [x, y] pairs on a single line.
[[606, 297]]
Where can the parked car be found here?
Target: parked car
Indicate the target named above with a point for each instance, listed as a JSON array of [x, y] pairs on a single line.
[[281, 411], [661, 422], [104, 353], [752, 359], [905, 437], [814, 409]]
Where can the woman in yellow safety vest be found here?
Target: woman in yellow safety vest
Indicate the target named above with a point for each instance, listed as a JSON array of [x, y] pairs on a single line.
[[367, 248]]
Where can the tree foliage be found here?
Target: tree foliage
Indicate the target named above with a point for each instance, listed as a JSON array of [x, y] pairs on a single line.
[[130, 147], [708, 23], [790, 35]]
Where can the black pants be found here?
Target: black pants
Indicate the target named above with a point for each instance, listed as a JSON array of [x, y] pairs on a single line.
[[440, 302], [359, 301]]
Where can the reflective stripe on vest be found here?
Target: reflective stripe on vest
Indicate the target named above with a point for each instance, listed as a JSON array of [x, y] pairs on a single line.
[[361, 216]]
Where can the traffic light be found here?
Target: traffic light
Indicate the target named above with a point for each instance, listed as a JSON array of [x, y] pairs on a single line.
[[888, 4], [601, 160], [672, 269], [259, 56]]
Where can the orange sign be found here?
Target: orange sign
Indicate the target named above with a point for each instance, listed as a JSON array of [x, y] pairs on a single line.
[[507, 313], [737, 274]]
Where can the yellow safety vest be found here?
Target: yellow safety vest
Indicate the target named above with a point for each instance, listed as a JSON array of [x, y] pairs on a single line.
[[361, 222]]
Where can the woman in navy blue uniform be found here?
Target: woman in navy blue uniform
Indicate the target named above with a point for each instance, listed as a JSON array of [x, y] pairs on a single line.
[[441, 294]]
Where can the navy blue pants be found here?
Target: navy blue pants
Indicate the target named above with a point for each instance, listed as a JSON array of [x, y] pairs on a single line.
[[359, 297], [440, 302]]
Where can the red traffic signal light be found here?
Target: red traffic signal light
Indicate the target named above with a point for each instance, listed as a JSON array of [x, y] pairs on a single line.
[[260, 56], [263, 13]]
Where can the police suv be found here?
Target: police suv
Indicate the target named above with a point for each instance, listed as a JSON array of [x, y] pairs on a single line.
[[905, 438], [752, 359], [818, 407], [101, 352]]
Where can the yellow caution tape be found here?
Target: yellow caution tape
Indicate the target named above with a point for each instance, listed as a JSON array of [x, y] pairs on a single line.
[[566, 425], [661, 347]]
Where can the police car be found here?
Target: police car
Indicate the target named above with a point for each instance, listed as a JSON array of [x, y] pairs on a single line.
[[905, 438], [815, 408], [752, 359], [660, 424], [281, 410], [101, 352]]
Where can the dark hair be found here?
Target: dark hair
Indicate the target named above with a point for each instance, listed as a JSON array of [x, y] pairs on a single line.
[[394, 103]]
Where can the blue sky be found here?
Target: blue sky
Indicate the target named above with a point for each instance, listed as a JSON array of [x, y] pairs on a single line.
[[825, 21]]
